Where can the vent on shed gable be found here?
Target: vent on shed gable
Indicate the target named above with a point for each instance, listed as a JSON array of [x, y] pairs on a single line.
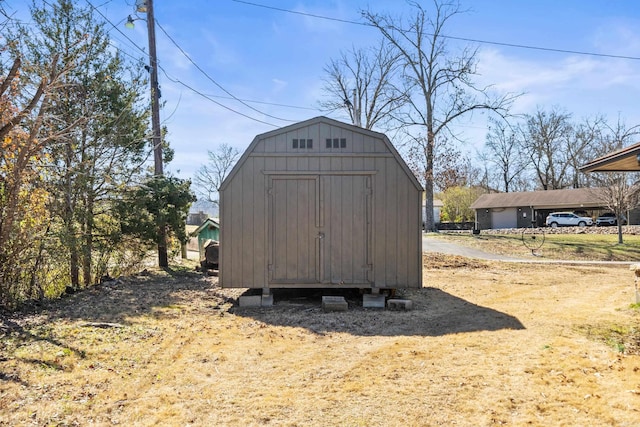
[[302, 143], [336, 143]]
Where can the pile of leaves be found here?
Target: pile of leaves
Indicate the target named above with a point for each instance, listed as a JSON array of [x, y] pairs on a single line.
[[436, 260]]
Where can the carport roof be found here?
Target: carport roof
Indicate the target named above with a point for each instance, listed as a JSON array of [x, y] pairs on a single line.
[[550, 199], [623, 160]]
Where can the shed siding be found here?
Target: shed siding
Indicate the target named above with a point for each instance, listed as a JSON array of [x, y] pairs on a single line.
[[372, 209]]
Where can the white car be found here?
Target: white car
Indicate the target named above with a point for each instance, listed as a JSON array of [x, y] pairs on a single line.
[[609, 218], [567, 219]]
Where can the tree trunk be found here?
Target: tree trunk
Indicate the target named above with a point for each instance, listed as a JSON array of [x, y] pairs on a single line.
[[429, 222], [87, 250]]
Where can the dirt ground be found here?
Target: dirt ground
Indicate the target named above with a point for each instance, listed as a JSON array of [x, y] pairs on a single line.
[[487, 344]]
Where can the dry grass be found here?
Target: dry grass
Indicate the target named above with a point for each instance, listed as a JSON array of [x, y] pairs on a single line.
[[556, 245], [488, 343]]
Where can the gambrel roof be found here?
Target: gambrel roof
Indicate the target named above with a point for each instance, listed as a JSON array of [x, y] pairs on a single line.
[[331, 122]]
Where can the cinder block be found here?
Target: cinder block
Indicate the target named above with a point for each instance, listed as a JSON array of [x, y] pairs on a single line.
[[400, 304], [333, 303], [267, 300], [373, 301], [250, 300]]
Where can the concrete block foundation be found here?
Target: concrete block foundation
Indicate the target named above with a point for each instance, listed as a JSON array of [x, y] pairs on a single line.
[[400, 304], [334, 303], [373, 301]]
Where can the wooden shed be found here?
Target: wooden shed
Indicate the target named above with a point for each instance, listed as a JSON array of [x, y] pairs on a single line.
[[207, 231], [320, 204]]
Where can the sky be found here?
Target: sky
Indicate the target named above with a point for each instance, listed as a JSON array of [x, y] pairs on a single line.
[[271, 55]]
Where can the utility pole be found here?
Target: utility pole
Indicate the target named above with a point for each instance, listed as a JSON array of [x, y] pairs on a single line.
[[354, 109], [163, 260], [146, 6]]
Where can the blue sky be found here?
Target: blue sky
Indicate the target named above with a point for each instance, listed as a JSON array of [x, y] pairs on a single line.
[[275, 59]]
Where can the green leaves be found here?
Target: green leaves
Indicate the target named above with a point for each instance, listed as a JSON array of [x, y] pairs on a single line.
[[162, 201]]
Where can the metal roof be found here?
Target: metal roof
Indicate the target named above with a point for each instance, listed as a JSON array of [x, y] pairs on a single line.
[[550, 199], [624, 160], [207, 222]]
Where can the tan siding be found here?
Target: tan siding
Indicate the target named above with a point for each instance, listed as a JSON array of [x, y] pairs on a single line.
[[235, 224], [403, 225], [259, 148], [391, 222], [335, 203], [357, 143], [313, 163], [381, 243], [280, 164], [245, 219], [292, 227], [281, 144], [223, 204], [302, 163], [259, 238], [324, 133], [292, 163]]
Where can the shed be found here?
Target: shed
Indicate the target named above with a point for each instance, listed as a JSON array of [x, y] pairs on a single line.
[[208, 230], [320, 204]]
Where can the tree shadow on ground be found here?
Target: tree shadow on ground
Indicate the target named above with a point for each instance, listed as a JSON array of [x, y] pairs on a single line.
[[113, 304], [435, 313]]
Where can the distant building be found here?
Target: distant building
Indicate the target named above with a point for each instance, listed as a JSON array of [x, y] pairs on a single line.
[[196, 218], [520, 209]]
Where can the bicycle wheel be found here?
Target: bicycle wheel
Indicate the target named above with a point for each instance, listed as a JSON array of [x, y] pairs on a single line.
[[533, 238]]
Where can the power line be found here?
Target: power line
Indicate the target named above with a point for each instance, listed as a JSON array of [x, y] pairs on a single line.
[[479, 41], [214, 101], [215, 82], [252, 101], [176, 80], [328, 18], [208, 96]]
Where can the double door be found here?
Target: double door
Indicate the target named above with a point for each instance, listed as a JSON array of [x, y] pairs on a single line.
[[320, 230]]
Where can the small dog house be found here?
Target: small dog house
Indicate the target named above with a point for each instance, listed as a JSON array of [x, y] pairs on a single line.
[[320, 204]]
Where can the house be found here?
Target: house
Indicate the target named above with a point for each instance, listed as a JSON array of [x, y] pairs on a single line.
[[520, 209], [437, 210], [196, 218], [207, 231], [320, 204]]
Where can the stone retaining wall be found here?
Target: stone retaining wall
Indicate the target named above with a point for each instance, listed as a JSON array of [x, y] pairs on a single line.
[[626, 230]]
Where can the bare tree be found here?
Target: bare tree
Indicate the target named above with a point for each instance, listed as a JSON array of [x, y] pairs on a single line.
[[361, 82], [546, 137], [439, 85], [503, 151], [209, 176], [618, 191], [453, 169], [585, 139]]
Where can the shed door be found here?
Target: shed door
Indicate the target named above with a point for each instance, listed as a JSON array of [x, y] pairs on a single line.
[[346, 229], [320, 229], [293, 230]]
